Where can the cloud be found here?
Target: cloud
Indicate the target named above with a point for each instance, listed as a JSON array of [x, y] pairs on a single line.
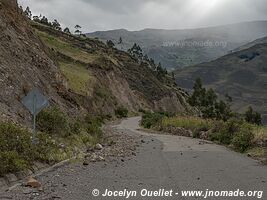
[[95, 15]]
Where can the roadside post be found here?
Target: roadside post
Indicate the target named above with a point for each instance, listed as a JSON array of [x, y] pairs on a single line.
[[35, 102]]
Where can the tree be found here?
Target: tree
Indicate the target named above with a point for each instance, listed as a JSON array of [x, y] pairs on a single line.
[[152, 64], [56, 25], [78, 29], [28, 12], [36, 19], [110, 44], [45, 21], [120, 41], [253, 117], [206, 101], [198, 95], [67, 30], [136, 51]]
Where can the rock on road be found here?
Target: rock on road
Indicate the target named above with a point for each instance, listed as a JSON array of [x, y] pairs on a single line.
[[162, 162]]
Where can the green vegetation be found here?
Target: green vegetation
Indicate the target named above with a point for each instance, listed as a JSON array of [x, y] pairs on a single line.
[[253, 117], [121, 112], [234, 132], [53, 121], [207, 102], [60, 137], [150, 119], [110, 44], [191, 123], [79, 78], [66, 48], [16, 150]]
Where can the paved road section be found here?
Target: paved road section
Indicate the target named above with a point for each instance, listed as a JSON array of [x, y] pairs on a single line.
[[163, 167]]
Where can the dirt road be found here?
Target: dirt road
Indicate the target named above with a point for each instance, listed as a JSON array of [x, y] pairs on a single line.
[[165, 162]]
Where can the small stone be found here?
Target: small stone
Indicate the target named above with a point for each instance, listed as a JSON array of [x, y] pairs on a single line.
[[122, 160], [133, 153], [143, 141], [85, 163], [33, 183], [27, 191], [98, 147], [249, 155], [101, 158]]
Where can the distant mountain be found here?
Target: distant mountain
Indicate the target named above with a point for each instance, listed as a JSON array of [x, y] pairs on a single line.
[[251, 44], [179, 48], [242, 75]]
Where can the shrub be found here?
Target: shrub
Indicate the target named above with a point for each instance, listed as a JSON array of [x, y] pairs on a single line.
[[11, 161], [76, 126], [47, 148], [93, 125], [253, 117], [225, 133], [16, 149], [121, 112], [243, 138], [53, 121], [151, 119]]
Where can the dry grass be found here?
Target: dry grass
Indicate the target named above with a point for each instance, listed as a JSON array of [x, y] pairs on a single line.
[[260, 134], [190, 123]]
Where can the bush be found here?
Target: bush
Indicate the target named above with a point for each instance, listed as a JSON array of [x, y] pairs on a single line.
[[60, 140], [224, 132], [253, 117], [11, 161], [121, 112], [243, 139], [76, 127], [93, 125], [16, 149], [151, 119], [53, 121]]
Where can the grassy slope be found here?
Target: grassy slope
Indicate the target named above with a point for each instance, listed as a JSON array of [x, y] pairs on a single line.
[[91, 67]]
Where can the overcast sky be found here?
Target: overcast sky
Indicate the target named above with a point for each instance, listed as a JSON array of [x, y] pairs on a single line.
[[96, 15]]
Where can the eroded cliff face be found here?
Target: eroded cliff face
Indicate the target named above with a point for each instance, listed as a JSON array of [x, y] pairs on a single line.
[[27, 60], [24, 64]]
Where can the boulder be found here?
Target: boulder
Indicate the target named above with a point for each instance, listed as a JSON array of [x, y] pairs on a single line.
[[33, 183]]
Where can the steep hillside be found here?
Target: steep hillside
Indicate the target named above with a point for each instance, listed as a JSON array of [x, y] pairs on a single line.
[[175, 48], [24, 64], [242, 75], [77, 74], [251, 44]]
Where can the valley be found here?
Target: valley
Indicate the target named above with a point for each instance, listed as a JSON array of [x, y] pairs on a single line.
[[178, 49], [242, 75]]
